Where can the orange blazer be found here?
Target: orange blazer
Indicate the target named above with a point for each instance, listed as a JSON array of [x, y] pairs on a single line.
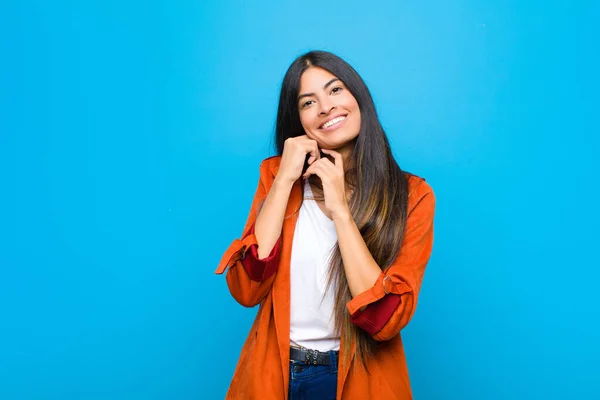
[[262, 371]]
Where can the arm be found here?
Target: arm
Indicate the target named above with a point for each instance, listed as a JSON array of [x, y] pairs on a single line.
[[253, 270], [270, 219], [384, 301]]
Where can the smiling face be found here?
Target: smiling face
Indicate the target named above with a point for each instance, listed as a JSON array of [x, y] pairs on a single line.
[[329, 113]]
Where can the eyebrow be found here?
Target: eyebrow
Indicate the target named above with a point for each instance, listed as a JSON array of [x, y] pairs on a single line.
[[324, 87]]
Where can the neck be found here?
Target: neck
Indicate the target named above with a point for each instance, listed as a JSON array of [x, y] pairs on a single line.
[[346, 152]]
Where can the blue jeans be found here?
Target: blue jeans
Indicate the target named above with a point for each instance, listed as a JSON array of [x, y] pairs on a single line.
[[309, 382]]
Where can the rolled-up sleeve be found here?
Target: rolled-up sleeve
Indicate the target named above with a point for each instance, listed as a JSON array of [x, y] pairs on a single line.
[[260, 269], [390, 304], [249, 278]]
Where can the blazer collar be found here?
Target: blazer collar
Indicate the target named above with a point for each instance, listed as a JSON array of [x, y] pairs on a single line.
[[274, 164]]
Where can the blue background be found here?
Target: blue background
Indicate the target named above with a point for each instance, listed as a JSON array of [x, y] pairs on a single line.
[[130, 138]]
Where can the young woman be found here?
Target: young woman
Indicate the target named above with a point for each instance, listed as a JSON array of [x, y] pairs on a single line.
[[334, 248]]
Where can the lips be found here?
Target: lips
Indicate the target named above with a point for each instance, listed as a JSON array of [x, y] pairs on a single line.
[[333, 122]]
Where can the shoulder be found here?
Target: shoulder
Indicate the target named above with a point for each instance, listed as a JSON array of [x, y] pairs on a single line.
[[271, 161], [270, 165], [268, 170], [420, 194]]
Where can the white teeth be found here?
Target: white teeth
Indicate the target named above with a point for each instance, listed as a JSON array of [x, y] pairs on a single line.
[[333, 121]]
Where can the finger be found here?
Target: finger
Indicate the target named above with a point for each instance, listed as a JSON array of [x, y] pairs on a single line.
[[339, 161], [329, 165], [309, 171], [320, 168], [329, 169], [314, 152], [313, 169]]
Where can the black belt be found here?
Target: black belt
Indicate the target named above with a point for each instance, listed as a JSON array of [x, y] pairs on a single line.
[[313, 357]]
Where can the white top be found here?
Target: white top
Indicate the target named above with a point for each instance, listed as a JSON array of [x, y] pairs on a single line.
[[311, 314]]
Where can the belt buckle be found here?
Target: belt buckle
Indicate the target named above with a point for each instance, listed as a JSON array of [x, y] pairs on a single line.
[[311, 356]]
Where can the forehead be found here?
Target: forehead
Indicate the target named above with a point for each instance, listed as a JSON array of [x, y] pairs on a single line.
[[314, 79]]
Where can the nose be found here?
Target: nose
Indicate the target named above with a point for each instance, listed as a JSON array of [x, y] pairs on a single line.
[[326, 107]]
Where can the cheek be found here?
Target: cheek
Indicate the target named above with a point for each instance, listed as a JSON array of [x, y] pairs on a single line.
[[351, 104], [358, 120], [306, 120], [303, 122], [353, 107]]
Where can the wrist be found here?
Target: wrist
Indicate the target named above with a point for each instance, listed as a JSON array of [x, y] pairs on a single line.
[[283, 183], [342, 215]]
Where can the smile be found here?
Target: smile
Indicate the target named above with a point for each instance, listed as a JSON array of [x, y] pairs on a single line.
[[333, 123]]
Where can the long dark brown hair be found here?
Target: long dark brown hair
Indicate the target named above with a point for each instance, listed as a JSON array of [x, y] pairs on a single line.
[[380, 188]]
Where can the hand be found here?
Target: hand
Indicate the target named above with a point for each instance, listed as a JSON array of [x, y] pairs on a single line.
[[294, 155], [333, 179]]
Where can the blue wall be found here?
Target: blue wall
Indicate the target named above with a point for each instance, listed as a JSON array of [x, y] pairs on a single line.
[[130, 138]]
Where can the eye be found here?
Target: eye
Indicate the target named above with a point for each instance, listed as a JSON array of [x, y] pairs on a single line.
[[306, 103], [336, 89]]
